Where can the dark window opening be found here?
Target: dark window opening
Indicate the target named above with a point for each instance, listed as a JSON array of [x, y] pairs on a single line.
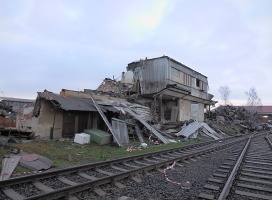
[[197, 83]]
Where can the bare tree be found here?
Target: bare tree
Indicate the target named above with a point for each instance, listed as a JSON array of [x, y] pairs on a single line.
[[225, 92], [253, 100]]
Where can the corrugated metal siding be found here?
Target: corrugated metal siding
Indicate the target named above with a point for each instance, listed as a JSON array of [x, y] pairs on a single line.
[[190, 129], [155, 75], [69, 103], [190, 72]]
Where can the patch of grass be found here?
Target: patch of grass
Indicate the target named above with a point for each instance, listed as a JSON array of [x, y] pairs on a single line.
[[231, 129], [61, 151]]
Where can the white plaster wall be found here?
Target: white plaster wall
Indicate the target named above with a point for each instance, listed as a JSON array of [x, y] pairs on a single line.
[[201, 112], [46, 119], [184, 110], [25, 121], [194, 111]]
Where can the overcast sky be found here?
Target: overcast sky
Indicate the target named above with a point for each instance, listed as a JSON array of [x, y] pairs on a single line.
[[71, 44]]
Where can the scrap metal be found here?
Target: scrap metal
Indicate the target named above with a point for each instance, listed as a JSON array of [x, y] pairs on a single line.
[[150, 128], [106, 121]]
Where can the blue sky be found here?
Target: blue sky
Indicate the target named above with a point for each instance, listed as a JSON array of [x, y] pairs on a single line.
[[70, 44]]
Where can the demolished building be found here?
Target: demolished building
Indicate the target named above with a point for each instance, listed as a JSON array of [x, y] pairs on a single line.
[[152, 92], [70, 112], [173, 91]]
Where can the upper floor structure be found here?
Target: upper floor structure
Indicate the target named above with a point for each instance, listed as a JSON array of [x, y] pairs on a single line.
[[168, 76]]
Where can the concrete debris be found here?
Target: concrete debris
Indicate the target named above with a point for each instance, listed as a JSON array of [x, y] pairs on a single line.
[[7, 122], [9, 163], [9, 148], [35, 162], [236, 115], [150, 128], [139, 112], [109, 85], [142, 111]]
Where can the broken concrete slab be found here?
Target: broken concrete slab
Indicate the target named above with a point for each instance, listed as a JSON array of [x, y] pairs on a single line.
[[35, 162], [235, 114], [9, 163], [30, 157]]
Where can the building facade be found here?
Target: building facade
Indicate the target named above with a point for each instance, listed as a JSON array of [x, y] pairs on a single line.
[[172, 90]]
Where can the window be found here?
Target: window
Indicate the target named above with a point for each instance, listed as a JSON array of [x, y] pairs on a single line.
[[175, 72], [197, 83], [187, 80]]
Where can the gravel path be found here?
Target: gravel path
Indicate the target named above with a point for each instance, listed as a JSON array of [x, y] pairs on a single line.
[[157, 187]]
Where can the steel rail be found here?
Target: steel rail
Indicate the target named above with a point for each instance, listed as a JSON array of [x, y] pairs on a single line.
[[268, 139], [92, 184], [226, 189], [179, 154], [49, 174]]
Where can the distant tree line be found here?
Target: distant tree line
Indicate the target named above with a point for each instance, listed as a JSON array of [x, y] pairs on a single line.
[[253, 98]]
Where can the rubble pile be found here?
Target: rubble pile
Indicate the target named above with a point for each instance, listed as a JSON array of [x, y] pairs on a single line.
[[6, 122], [235, 115], [109, 85]]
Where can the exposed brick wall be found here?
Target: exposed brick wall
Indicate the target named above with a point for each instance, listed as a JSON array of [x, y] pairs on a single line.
[[7, 123]]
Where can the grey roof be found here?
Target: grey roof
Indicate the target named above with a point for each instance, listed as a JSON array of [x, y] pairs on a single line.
[[17, 99], [69, 103]]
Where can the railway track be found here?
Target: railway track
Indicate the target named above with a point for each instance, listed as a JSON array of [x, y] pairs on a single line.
[[246, 174], [66, 182]]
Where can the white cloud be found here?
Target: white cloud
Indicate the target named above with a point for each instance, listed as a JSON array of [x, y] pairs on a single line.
[[143, 22], [81, 42]]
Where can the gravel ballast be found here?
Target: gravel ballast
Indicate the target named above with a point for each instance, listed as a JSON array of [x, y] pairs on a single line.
[[157, 187]]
